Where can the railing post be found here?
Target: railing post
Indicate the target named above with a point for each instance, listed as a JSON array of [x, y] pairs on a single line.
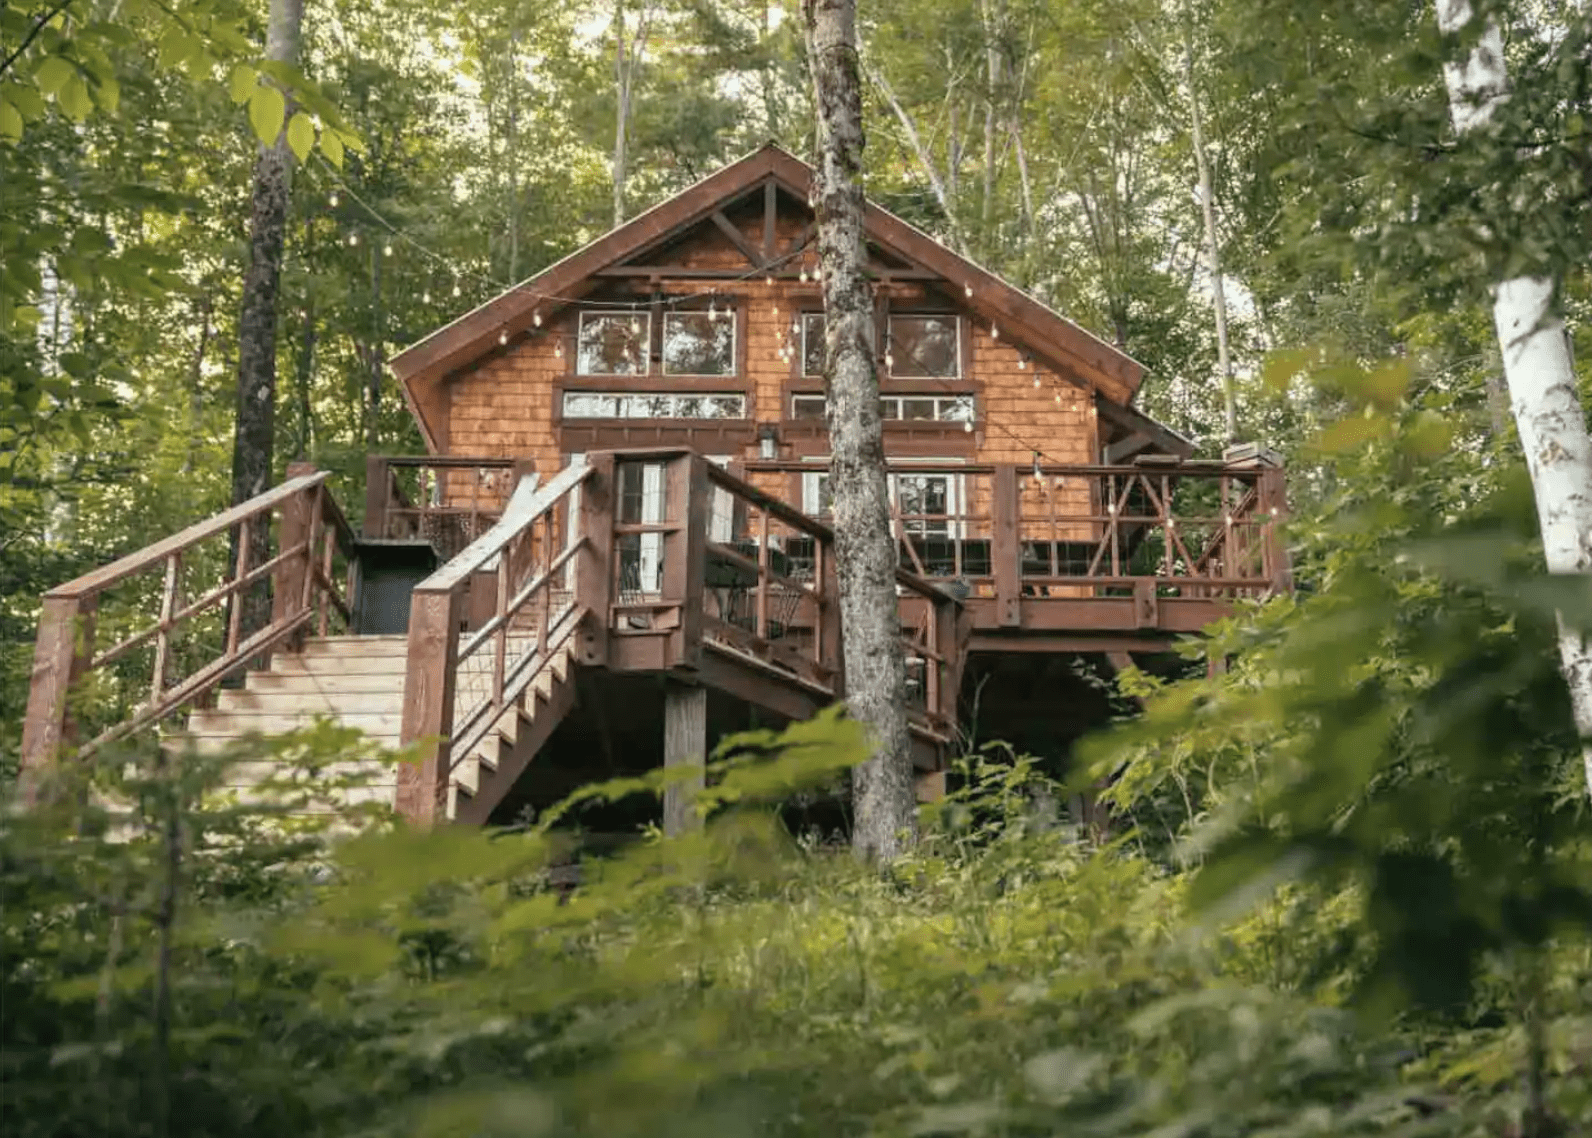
[[1273, 505], [294, 525], [61, 655], [378, 492], [685, 552], [433, 659], [1004, 549], [594, 564]]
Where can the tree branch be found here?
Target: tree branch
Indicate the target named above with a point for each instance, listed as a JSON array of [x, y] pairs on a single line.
[[33, 34]]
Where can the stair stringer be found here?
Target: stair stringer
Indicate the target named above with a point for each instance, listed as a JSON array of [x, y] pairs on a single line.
[[484, 778]]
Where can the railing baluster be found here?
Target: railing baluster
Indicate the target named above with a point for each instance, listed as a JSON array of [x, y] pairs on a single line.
[[168, 605], [500, 646], [235, 603], [762, 575], [546, 587]]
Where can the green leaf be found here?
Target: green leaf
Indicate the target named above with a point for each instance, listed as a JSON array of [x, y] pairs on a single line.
[[53, 74], [244, 80], [10, 121], [332, 147], [267, 108], [74, 100], [108, 94], [301, 135], [28, 102]]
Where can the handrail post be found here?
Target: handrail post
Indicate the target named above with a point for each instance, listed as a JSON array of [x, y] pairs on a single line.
[[378, 495], [1005, 552], [595, 562], [295, 525], [433, 660], [685, 552], [61, 655]]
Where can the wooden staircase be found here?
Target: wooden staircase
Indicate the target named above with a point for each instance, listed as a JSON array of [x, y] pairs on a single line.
[[358, 682]]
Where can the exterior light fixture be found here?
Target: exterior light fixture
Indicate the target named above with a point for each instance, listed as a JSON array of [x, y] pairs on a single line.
[[768, 441]]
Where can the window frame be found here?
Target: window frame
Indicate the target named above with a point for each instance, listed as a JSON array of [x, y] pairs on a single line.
[[645, 338], [956, 322], [624, 396], [730, 312]]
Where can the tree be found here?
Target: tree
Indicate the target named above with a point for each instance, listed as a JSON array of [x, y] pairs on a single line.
[[1537, 368], [865, 553], [255, 434]]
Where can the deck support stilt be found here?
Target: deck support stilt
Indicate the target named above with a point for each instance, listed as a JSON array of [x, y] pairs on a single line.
[[685, 741]]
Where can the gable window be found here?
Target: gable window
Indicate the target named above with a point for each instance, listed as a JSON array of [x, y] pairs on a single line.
[[925, 347], [898, 408], [653, 405], [813, 346], [699, 343], [613, 343]]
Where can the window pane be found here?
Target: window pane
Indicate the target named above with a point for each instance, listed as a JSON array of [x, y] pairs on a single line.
[[585, 405], [612, 343], [807, 407], [651, 407], [687, 407], [924, 346], [697, 343], [917, 408], [724, 407], [813, 344], [958, 410], [889, 408]]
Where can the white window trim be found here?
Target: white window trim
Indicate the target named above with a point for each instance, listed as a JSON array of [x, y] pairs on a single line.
[[735, 343], [955, 492], [626, 395], [629, 314]]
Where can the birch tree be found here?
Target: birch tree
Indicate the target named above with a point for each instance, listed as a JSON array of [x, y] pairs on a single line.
[[865, 553], [1537, 368]]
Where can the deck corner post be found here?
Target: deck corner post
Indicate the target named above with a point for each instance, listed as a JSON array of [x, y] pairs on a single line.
[[685, 552], [594, 564], [685, 741], [432, 663], [378, 494], [1273, 495], [61, 655], [1005, 552], [295, 526]]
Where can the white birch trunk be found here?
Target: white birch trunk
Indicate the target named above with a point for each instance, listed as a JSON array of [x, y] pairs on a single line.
[[1540, 376], [883, 798]]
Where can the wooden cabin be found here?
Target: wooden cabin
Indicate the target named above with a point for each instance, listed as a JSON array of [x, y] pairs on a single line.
[[616, 550]]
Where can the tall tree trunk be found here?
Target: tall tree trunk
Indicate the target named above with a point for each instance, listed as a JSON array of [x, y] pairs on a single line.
[[1213, 248], [511, 148], [377, 355], [884, 803], [1540, 375], [627, 57], [255, 434]]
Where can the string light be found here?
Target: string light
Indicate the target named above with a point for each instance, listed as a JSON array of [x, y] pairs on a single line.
[[536, 318], [353, 239], [995, 331], [456, 289], [558, 349], [503, 337], [386, 250], [769, 280], [804, 274], [425, 297], [332, 199], [967, 291]]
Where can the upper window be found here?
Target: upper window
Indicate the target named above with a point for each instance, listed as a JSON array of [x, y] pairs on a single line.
[[613, 343], [920, 408], [813, 343], [699, 343], [925, 346], [652, 405]]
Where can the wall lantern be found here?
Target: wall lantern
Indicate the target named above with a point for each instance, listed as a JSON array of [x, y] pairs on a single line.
[[768, 441]]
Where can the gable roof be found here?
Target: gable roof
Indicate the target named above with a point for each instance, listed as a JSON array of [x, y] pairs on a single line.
[[425, 366]]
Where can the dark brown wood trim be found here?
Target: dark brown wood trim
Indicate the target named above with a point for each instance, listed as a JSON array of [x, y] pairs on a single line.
[[770, 220], [706, 436], [889, 385], [737, 238], [660, 384]]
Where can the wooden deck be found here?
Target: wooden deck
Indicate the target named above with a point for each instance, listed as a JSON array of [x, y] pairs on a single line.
[[659, 564]]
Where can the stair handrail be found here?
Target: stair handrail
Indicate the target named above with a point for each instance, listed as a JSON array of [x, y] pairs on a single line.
[[527, 550], [65, 654]]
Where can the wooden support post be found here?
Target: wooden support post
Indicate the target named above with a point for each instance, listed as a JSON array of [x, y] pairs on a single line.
[[294, 526], [685, 741], [1005, 552], [60, 656], [378, 489], [685, 552], [594, 564], [428, 704], [1273, 495], [930, 786]]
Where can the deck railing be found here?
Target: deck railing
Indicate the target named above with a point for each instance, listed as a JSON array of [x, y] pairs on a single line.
[[170, 643], [448, 500], [1003, 532], [704, 561], [460, 684]]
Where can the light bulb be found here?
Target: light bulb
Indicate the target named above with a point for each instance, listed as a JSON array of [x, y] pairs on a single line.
[[804, 276], [332, 200], [995, 331], [769, 280], [1058, 399], [353, 239], [456, 289], [503, 337], [1022, 363], [776, 312], [635, 326], [558, 349], [425, 297], [889, 362], [536, 318], [1036, 382], [967, 426], [967, 291], [386, 250]]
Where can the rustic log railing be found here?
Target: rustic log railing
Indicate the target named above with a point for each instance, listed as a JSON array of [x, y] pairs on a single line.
[[312, 535], [448, 500], [458, 685], [1181, 528]]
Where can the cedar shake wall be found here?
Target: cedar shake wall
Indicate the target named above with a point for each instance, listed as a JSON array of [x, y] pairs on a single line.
[[509, 404]]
